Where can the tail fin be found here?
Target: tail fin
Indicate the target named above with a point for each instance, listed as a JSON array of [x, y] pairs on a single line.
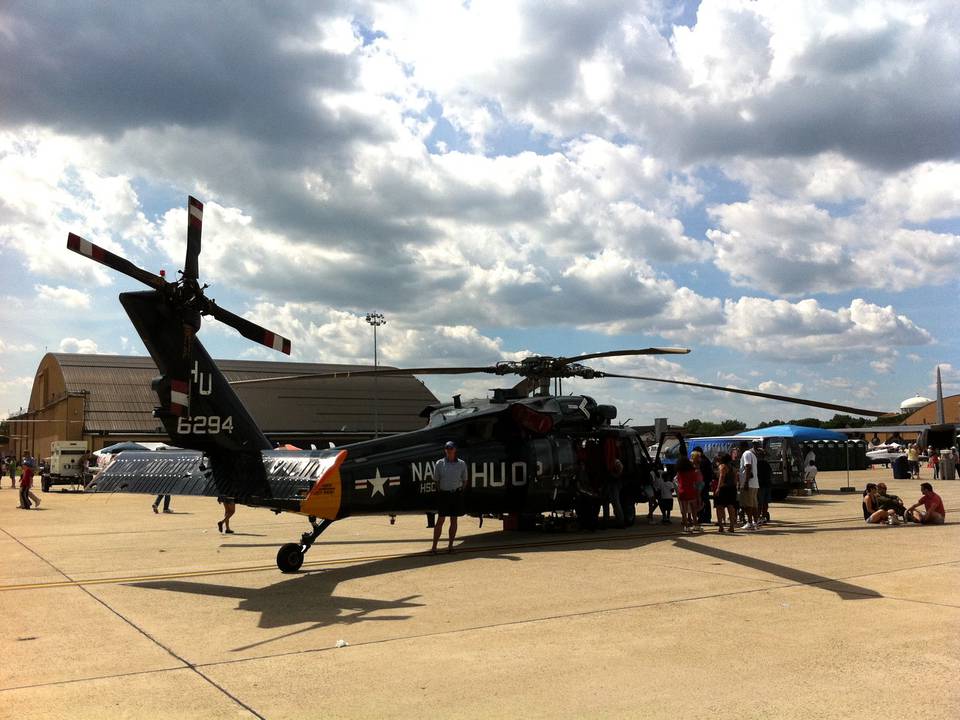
[[198, 408], [216, 420]]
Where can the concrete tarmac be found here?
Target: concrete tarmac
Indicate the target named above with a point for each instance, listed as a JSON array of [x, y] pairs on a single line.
[[108, 610]]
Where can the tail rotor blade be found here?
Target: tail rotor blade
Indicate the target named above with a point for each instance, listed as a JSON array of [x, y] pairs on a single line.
[[754, 393], [191, 266], [248, 329], [86, 248]]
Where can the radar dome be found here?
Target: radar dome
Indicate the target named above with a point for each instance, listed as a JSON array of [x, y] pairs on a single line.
[[914, 403]]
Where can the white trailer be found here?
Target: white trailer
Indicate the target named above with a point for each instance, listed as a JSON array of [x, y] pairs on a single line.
[[65, 464]]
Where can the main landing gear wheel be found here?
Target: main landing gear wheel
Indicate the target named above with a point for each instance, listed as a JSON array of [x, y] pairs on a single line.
[[290, 558]]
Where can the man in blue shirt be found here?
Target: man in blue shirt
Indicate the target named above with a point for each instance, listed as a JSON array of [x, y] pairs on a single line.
[[450, 474]]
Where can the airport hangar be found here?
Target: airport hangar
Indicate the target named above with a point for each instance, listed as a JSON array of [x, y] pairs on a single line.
[[105, 399]]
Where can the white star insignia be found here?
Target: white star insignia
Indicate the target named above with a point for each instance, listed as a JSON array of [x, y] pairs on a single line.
[[377, 483]]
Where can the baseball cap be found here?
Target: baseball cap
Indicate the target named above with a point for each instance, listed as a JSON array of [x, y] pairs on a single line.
[[450, 444]]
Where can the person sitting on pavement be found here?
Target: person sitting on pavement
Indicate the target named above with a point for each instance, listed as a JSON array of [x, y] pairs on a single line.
[[889, 501], [872, 512], [933, 513]]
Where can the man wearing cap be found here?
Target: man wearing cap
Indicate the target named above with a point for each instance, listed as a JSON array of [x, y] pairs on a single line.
[[450, 474]]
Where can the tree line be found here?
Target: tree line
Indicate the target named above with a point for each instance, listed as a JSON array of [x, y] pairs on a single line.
[[731, 426]]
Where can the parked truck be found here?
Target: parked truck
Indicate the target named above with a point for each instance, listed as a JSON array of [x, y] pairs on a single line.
[[65, 464]]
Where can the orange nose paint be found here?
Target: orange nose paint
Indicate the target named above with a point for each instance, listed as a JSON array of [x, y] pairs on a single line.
[[323, 500]]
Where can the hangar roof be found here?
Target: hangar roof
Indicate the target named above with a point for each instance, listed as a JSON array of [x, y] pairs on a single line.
[[119, 398]]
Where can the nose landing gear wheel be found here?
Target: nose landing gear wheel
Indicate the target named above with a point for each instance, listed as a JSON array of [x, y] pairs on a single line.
[[289, 558]]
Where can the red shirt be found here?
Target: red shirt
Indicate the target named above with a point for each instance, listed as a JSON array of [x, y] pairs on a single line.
[[26, 477], [933, 503], [687, 484]]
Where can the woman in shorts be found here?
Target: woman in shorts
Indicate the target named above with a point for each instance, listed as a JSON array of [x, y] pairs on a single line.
[[725, 497], [873, 514]]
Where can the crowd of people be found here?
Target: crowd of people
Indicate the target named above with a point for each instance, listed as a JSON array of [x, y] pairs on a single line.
[[740, 484], [935, 458]]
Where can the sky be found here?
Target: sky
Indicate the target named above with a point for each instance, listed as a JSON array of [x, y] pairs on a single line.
[[775, 185]]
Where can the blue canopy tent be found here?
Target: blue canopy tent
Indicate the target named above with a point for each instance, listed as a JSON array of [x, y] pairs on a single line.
[[801, 434], [798, 432]]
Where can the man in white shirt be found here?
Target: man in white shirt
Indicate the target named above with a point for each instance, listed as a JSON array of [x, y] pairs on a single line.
[[450, 473], [749, 484]]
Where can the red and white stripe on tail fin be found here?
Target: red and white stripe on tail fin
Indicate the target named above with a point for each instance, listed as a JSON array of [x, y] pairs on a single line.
[[179, 397]]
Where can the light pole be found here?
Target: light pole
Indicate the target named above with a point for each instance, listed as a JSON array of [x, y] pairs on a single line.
[[376, 320]]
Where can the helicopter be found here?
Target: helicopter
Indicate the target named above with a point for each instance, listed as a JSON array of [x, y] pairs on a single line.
[[528, 451]]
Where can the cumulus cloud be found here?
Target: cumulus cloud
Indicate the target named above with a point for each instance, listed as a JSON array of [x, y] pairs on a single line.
[[807, 331], [78, 345], [6, 347], [778, 388], [324, 334], [63, 296], [790, 248], [529, 165], [51, 185], [758, 78]]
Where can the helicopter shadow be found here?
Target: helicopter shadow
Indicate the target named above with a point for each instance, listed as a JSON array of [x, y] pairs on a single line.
[[310, 596], [844, 590]]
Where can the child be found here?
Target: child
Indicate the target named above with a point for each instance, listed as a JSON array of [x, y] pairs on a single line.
[[688, 494], [665, 499]]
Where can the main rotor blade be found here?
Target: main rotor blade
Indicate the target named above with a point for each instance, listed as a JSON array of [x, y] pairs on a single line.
[[371, 373], [618, 353], [105, 257], [248, 329], [755, 393], [191, 266]]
